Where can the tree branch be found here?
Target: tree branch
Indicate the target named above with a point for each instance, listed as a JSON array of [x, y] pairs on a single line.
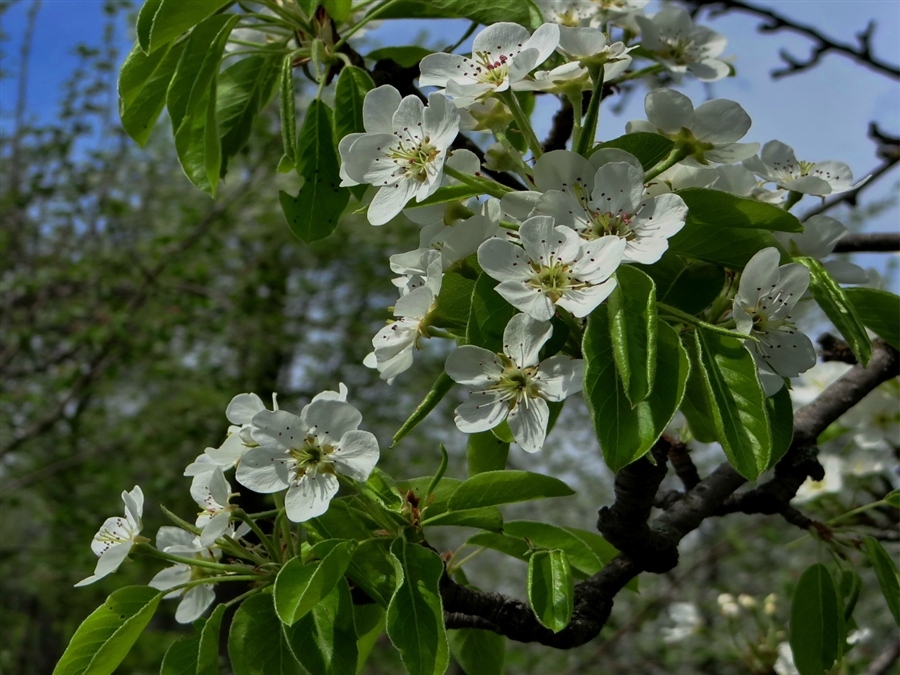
[[874, 242]]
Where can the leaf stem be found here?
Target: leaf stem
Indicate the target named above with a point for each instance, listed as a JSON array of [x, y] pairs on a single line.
[[243, 516], [589, 127], [194, 562], [490, 187], [678, 153], [684, 317], [522, 121], [375, 13]]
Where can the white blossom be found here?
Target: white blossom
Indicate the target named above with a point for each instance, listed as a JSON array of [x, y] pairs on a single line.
[[556, 267], [687, 621], [778, 164], [711, 131], [513, 385], [305, 453], [593, 12], [762, 308], [402, 151], [115, 538], [502, 56], [196, 599], [785, 663], [211, 491], [682, 46], [818, 239], [832, 483], [875, 421]]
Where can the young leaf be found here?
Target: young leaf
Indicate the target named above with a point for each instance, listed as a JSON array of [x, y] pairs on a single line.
[[879, 311], [551, 588], [506, 487], [143, 83], [373, 571], [488, 316], [349, 94], [696, 404], [198, 146], [486, 452], [721, 244], [288, 110], [649, 148], [171, 18], [208, 649], [299, 588], [324, 640], [716, 208], [543, 535], [405, 56], [478, 652], [738, 404], [886, 572], [626, 433], [633, 329], [522, 12], [415, 617], [436, 511], [435, 395], [814, 622], [837, 306], [453, 303], [313, 213], [181, 656], [256, 644], [780, 412], [105, 637], [369, 620]]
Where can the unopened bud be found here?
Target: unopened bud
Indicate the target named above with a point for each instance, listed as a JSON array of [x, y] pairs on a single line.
[[746, 601]]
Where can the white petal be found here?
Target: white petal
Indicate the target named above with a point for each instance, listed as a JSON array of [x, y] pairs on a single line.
[[483, 410], [523, 338], [539, 239], [502, 260], [357, 455], [560, 377], [110, 560], [379, 107], [215, 528], [618, 188], [720, 121], [227, 454], [194, 603], [243, 407], [169, 537], [473, 366], [600, 258], [440, 68], [416, 303], [529, 424], [544, 41], [210, 489], [171, 576], [501, 38], [277, 429], [561, 170], [582, 302], [527, 299], [669, 110], [390, 200], [134, 504], [264, 470], [310, 496], [441, 121], [329, 420]]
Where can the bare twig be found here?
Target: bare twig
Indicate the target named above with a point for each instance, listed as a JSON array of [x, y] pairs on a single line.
[[873, 242]]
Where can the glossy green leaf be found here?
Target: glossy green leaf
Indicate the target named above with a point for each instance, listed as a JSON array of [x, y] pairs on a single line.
[[143, 83], [628, 432], [435, 395], [543, 535], [453, 303], [243, 90], [633, 327], [105, 637], [837, 306], [886, 572], [181, 656], [551, 589], [780, 412], [405, 56], [208, 649], [879, 311], [161, 21], [689, 285], [436, 508], [349, 94], [492, 488], [486, 452], [256, 643], [415, 616], [814, 622], [893, 498], [287, 109], [696, 404], [649, 148], [478, 652], [198, 147], [338, 10], [299, 588], [314, 212], [489, 315], [716, 208], [522, 12], [373, 571], [515, 547], [737, 402], [369, 620], [324, 640], [723, 245]]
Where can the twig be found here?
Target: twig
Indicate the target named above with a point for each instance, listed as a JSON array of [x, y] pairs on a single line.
[[874, 242]]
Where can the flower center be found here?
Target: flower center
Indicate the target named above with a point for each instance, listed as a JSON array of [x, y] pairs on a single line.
[[413, 157], [603, 224], [517, 384], [553, 280], [489, 70], [311, 457], [677, 49]]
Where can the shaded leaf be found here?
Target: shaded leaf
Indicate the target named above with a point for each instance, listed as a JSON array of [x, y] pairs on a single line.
[[551, 589], [506, 487], [814, 622], [716, 208], [324, 640], [649, 148], [879, 311], [143, 83], [478, 652], [633, 328], [256, 643]]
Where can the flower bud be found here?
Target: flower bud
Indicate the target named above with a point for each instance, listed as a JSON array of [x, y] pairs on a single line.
[[746, 601]]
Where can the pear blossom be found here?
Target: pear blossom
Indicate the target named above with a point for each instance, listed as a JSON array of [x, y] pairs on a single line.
[[402, 151], [682, 46], [710, 132], [502, 56], [727, 606], [395, 344], [464, 161], [513, 385], [592, 12], [778, 164], [785, 663], [304, 454], [555, 267], [818, 239], [687, 621], [875, 421], [114, 540], [832, 483], [211, 491], [737, 180], [762, 308], [196, 599]]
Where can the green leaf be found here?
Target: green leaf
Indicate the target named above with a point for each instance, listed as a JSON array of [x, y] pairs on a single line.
[[488, 316], [443, 384], [453, 303], [506, 487], [886, 572], [405, 57], [649, 148], [716, 208], [105, 637], [197, 69], [349, 94], [242, 91], [208, 649], [287, 110], [143, 83], [837, 306], [198, 146], [299, 588], [168, 19], [478, 652], [633, 328], [736, 401], [486, 452], [543, 535], [256, 643], [373, 571], [893, 498], [689, 285], [814, 622], [369, 620], [324, 640], [314, 212], [780, 412], [181, 656], [415, 617], [722, 244], [879, 311], [626, 433], [339, 10], [515, 547], [436, 509], [523, 12], [551, 589], [695, 405]]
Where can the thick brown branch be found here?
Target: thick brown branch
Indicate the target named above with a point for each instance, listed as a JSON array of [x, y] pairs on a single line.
[[876, 242]]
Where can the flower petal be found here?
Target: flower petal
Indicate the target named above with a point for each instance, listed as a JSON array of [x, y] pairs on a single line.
[[559, 377], [194, 603], [357, 455], [528, 424], [483, 410], [329, 420], [473, 366], [310, 496], [523, 338], [243, 407], [265, 470]]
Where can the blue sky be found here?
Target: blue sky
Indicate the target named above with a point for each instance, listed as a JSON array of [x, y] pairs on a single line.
[[823, 113]]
